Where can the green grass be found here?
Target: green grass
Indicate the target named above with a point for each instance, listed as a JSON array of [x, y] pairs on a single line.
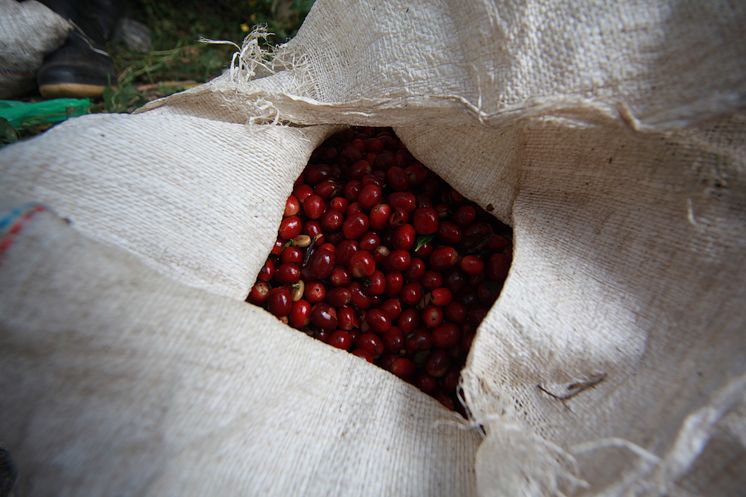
[[177, 59]]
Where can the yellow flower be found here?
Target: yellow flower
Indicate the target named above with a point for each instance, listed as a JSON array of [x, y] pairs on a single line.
[[244, 27]]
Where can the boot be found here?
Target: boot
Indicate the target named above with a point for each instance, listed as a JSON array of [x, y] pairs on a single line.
[[81, 67]]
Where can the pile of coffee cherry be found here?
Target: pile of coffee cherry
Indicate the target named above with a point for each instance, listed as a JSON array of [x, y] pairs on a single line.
[[379, 256]]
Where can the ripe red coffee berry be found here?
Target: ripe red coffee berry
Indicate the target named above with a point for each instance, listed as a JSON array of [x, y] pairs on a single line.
[[399, 260], [426, 383], [449, 233], [291, 255], [279, 302], [324, 316], [300, 315], [278, 247], [327, 189], [359, 298], [331, 220], [408, 320], [419, 341], [302, 192], [375, 285], [314, 292], [259, 293], [355, 226], [445, 336], [416, 174], [379, 217], [370, 342], [321, 264], [359, 169], [392, 308], [339, 203], [393, 340], [292, 206], [425, 220], [396, 178], [347, 318], [456, 312], [340, 276], [351, 190], [287, 273], [443, 258], [370, 195], [339, 297], [465, 215], [472, 265], [290, 227], [455, 281], [362, 264], [404, 201], [411, 293], [377, 320], [416, 270], [437, 363], [370, 241], [267, 271], [432, 280], [394, 284], [497, 267], [344, 251], [341, 340], [404, 237], [314, 206], [432, 316], [441, 296], [403, 368]]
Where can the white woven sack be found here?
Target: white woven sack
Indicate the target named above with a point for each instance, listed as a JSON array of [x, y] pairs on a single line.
[[28, 31], [611, 136]]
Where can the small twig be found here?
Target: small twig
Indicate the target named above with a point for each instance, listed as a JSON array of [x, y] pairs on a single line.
[[575, 388], [169, 84]]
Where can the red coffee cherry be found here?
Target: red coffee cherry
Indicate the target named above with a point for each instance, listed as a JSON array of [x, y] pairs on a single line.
[[341, 340], [404, 237], [426, 221], [403, 368], [472, 265], [287, 273], [446, 336], [347, 318], [324, 316], [441, 296], [300, 314], [292, 206], [314, 206], [259, 293], [370, 195], [370, 342], [378, 321], [355, 226], [279, 302], [399, 260], [267, 271], [394, 284], [443, 258], [432, 316], [379, 217], [314, 292], [362, 264], [290, 227]]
